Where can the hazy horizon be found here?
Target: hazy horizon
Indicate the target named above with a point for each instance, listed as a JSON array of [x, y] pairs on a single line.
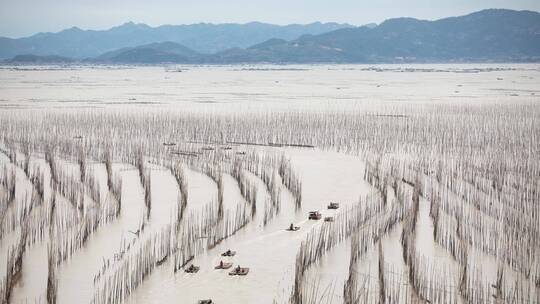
[[26, 17]]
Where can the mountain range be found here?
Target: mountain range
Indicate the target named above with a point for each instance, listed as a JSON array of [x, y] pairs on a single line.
[[204, 38], [488, 35]]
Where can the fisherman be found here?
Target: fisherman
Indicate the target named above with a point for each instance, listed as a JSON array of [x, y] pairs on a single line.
[[220, 264], [292, 227], [228, 252]]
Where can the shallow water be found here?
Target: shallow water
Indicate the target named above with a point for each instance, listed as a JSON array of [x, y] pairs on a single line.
[[230, 88], [268, 250]]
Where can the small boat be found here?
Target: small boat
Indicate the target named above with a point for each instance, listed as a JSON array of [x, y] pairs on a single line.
[[169, 144], [188, 260], [293, 228], [240, 271], [328, 219], [314, 215], [228, 253], [208, 301], [333, 206], [192, 269], [223, 265]]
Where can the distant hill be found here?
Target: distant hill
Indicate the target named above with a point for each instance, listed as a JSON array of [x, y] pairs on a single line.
[[34, 59], [151, 53], [484, 36], [489, 35], [203, 37]]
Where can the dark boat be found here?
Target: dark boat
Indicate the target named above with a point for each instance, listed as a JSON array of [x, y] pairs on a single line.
[[208, 301], [184, 264], [328, 219], [223, 265], [293, 228], [239, 271], [228, 253], [192, 269], [314, 215], [333, 206]]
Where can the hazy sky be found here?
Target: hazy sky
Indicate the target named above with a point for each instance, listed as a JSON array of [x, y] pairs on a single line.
[[25, 17]]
